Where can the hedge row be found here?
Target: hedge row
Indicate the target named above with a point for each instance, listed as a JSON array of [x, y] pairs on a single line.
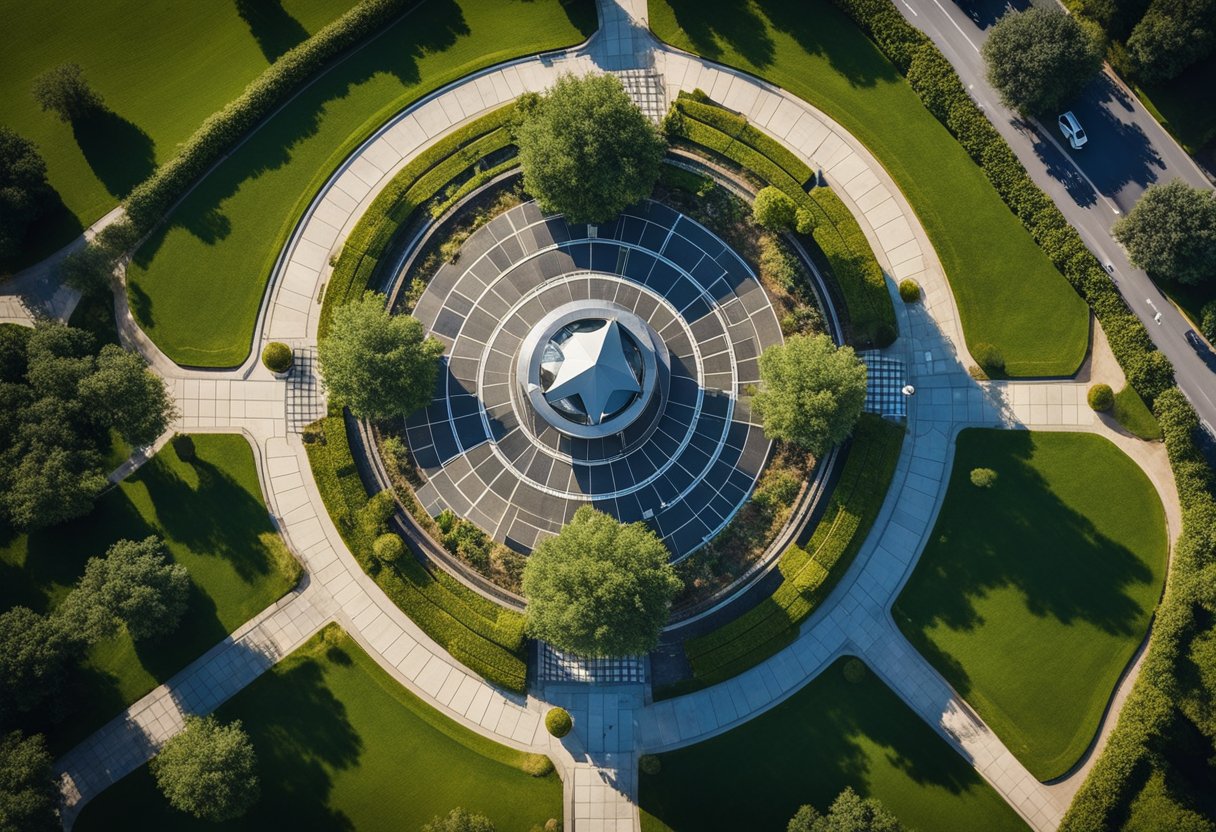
[[836, 232], [943, 94], [808, 573], [484, 636], [414, 185], [151, 199]]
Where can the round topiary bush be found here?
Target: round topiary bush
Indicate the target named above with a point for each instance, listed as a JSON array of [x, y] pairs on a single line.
[[909, 290], [989, 357], [388, 548], [538, 765], [854, 670], [983, 477], [1101, 397], [277, 357], [650, 764], [774, 210], [558, 722]]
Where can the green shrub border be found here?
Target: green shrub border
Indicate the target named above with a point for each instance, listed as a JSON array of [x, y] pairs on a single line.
[[809, 573], [850, 258], [1141, 734]]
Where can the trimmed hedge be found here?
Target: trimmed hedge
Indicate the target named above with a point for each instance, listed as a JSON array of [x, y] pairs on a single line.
[[477, 632], [413, 186], [808, 573], [835, 231], [223, 130]]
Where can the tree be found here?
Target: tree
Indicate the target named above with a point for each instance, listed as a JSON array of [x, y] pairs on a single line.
[[122, 393], [459, 820], [133, 584], [35, 656], [848, 813], [64, 91], [1040, 58], [1171, 36], [379, 364], [25, 194], [774, 210], [1171, 233], [209, 770], [586, 150], [599, 587], [811, 392], [1207, 320], [29, 795]]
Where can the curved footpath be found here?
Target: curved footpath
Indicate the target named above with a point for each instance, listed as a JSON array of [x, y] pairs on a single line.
[[612, 724]]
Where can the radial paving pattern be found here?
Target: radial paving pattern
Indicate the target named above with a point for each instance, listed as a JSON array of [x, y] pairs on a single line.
[[692, 457]]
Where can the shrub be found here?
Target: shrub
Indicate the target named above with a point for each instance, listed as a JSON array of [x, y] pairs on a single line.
[[558, 722], [459, 820], [183, 446], [64, 91], [778, 265], [909, 290], [1101, 397], [1207, 320], [983, 477], [650, 764], [209, 770], [989, 357], [854, 670], [774, 210], [25, 195], [538, 765], [277, 357], [804, 221], [388, 548]]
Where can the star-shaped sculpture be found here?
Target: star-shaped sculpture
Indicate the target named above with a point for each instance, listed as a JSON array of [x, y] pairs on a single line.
[[596, 370]]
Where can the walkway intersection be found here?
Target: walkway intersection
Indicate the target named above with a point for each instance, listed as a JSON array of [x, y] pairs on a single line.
[[613, 723]]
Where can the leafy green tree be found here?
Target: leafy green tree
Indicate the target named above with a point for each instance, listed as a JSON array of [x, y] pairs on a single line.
[[1171, 233], [379, 364], [1172, 35], [599, 587], [586, 150], [774, 210], [122, 393], [811, 392], [133, 584], [1207, 320], [1040, 58], [25, 194], [29, 795], [64, 91], [849, 812], [88, 270], [209, 770], [459, 820], [35, 656]]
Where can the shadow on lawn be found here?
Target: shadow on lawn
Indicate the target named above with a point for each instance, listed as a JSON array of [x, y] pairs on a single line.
[[712, 24], [271, 26], [119, 152]]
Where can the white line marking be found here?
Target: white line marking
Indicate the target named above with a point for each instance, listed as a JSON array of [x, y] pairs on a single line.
[[956, 26], [1042, 129], [914, 11]]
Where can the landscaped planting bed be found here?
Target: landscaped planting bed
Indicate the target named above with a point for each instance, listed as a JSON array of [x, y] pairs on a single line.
[[197, 283], [1007, 291], [213, 520], [489, 639], [808, 574], [831, 734], [1060, 563], [341, 745]]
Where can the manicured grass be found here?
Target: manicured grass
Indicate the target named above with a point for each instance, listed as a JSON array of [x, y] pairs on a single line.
[[1131, 412], [210, 513], [1008, 292], [1032, 595], [196, 285], [341, 746], [162, 68], [831, 734]]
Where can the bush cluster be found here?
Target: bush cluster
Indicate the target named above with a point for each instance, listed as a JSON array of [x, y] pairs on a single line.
[[151, 199], [983, 477]]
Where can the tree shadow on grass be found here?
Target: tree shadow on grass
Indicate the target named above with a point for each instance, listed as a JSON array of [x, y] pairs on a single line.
[[120, 154], [582, 15], [715, 25], [271, 26], [831, 34]]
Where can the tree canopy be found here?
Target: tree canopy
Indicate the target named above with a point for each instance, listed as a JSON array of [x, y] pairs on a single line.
[[811, 392], [849, 812], [36, 655], [1171, 233], [209, 770], [774, 210], [599, 587], [1172, 35], [586, 150], [59, 401], [25, 194], [29, 795], [1040, 58], [380, 365], [64, 91]]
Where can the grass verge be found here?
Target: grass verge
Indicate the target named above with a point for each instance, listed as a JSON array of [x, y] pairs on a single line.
[[341, 745], [1131, 412], [1061, 564], [212, 518], [831, 734]]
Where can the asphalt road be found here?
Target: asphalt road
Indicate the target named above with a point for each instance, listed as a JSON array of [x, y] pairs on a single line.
[[1127, 152]]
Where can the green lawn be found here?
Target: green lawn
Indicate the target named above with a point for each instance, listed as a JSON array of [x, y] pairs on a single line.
[[1132, 413], [1032, 596], [831, 734], [196, 286], [1008, 292], [212, 516], [162, 68], [342, 746]]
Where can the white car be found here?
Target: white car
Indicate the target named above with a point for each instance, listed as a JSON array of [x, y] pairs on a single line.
[[1072, 130]]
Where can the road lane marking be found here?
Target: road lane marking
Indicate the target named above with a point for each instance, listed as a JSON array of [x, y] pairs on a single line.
[[956, 26], [1042, 129]]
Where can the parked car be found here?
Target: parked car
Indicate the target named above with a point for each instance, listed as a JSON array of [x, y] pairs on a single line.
[[1072, 130], [1198, 344]]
